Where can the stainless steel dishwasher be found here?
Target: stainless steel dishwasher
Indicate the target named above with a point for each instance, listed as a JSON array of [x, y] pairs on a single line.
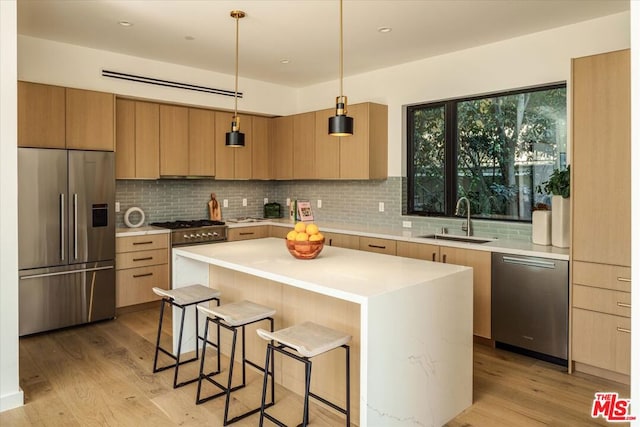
[[530, 303]]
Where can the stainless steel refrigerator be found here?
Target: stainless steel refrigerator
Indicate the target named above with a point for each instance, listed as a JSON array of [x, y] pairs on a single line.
[[66, 238]]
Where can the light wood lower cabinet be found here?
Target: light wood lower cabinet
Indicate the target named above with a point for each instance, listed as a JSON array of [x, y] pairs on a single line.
[[381, 246], [601, 317], [279, 232], [418, 251], [246, 233], [142, 262], [340, 240]]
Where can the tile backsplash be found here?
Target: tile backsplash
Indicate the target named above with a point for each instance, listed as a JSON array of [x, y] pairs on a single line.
[[350, 202]]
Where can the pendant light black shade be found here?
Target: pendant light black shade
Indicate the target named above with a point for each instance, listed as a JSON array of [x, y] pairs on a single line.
[[235, 138], [341, 124]]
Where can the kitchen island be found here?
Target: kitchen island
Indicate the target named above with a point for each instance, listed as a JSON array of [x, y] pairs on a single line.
[[411, 322]]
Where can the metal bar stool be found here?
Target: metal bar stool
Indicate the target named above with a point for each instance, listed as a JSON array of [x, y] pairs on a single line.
[[308, 339], [182, 298], [232, 317]]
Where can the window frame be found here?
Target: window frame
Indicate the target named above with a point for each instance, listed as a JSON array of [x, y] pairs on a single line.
[[451, 148]]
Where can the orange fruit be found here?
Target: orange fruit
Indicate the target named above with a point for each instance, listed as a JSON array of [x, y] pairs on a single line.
[[302, 237], [300, 227], [292, 235], [312, 229]]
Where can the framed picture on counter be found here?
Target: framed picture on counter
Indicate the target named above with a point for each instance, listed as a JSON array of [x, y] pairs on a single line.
[[304, 210]]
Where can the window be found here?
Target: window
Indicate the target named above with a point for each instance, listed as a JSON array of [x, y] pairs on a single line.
[[494, 150]]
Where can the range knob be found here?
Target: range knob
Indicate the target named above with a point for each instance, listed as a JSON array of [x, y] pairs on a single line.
[[215, 234], [197, 234], [191, 236], [210, 234], [186, 237]]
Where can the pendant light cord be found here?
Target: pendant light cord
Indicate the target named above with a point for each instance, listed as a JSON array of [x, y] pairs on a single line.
[[237, 48], [341, 52]]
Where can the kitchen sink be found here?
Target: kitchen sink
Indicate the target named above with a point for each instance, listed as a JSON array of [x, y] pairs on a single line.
[[454, 238]]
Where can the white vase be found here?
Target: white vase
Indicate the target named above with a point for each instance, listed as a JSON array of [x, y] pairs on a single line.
[[541, 228], [560, 221]]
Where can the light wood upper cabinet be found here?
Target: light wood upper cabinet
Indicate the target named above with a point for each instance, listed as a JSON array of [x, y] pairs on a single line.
[[261, 151], [90, 120], [41, 112], [601, 159], [233, 162], [480, 261], [58, 117], [364, 154], [137, 140], [304, 146], [174, 140], [360, 156], [282, 148], [327, 147], [201, 142]]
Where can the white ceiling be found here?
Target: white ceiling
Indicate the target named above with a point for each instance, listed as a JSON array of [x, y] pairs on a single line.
[[306, 32]]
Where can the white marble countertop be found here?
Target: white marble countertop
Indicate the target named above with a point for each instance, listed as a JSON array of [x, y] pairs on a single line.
[[346, 274], [140, 231], [514, 247]]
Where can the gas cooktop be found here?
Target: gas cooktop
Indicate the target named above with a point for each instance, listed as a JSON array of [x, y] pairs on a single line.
[[176, 225]]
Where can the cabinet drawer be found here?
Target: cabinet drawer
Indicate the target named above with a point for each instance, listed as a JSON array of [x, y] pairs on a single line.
[[602, 340], [418, 251], [141, 258], [246, 233], [142, 243], [381, 246], [133, 285], [602, 276], [602, 300]]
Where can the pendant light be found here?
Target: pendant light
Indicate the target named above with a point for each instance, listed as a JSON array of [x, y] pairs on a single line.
[[341, 124], [235, 138]]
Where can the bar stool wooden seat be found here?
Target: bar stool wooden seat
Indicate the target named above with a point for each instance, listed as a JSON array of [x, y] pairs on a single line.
[[182, 298], [302, 342], [232, 317]]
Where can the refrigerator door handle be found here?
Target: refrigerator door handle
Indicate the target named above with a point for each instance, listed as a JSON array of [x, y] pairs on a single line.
[[75, 225], [62, 220], [61, 273]]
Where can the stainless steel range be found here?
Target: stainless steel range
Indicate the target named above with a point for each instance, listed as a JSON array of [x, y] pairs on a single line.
[[194, 232]]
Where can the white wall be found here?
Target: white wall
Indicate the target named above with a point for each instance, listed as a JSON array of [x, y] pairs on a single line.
[[534, 59], [63, 64], [10, 393]]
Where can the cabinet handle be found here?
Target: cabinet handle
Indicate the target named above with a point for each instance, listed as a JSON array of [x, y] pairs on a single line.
[[623, 304], [135, 276], [628, 331], [143, 259], [377, 246], [143, 243], [624, 279], [444, 258], [433, 257], [247, 233], [330, 242]]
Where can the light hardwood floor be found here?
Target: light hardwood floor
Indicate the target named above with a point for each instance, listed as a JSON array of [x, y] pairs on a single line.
[[101, 375]]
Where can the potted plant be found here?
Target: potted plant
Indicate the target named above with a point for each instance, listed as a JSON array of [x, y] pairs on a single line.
[[559, 186]]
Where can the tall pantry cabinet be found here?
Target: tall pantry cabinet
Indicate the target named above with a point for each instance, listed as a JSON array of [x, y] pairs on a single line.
[[601, 215]]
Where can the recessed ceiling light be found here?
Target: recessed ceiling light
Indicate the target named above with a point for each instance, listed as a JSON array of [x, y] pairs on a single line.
[[384, 29], [284, 61], [125, 23], [189, 38]]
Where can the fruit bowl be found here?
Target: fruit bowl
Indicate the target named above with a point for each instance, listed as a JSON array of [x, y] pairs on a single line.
[[305, 249]]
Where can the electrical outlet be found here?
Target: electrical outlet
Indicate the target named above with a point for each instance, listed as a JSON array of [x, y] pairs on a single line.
[[319, 203], [406, 224], [288, 201], [381, 207], [225, 203], [266, 200], [244, 202], [117, 206]]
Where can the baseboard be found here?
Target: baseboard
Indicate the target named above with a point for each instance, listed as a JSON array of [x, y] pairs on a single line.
[[11, 400], [602, 373], [137, 307], [484, 341]]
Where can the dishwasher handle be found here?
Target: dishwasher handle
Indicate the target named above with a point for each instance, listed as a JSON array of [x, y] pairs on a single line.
[[529, 262]]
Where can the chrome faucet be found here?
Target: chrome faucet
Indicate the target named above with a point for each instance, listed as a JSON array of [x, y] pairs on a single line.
[[465, 226]]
